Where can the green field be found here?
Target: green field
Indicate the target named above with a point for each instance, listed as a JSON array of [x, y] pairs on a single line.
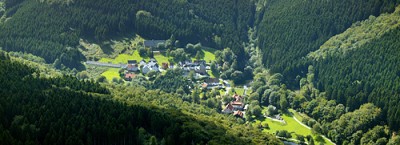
[[111, 73], [208, 55], [239, 91], [161, 58], [123, 58], [291, 125]]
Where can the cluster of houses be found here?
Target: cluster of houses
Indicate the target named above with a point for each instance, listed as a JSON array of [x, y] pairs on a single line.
[[198, 66], [143, 66], [235, 107]]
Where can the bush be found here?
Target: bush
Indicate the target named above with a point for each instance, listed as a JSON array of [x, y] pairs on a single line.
[[142, 52], [265, 125], [102, 79], [283, 133]]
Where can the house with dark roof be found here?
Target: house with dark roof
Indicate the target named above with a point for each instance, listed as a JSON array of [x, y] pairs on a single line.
[[132, 62], [237, 105]]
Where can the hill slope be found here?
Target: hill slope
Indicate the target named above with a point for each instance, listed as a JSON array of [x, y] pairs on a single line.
[[356, 72], [52, 28], [290, 29], [64, 110]]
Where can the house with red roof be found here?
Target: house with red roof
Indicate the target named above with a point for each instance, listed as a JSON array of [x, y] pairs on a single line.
[[129, 76], [228, 109], [238, 114]]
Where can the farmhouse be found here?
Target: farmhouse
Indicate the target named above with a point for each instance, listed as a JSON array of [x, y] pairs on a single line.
[[132, 67], [129, 76], [197, 66], [211, 83], [239, 114], [151, 66], [228, 109]]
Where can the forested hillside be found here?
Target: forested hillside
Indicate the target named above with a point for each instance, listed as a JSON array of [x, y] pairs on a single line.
[[51, 29], [369, 74], [290, 29], [64, 110]]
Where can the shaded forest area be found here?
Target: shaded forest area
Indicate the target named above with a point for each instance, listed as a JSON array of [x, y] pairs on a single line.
[[51, 29], [290, 29]]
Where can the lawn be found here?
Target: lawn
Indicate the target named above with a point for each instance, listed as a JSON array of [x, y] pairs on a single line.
[[209, 72], [111, 73], [123, 58], [239, 91], [161, 58], [291, 125], [209, 55]]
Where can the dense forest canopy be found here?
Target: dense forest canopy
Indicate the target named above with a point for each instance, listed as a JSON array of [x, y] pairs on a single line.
[[342, 55], [290, 29], [52, 29], [64, 110], [369, 74]]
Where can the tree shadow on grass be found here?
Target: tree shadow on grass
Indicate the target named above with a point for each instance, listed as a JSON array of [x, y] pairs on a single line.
[[106, 47]]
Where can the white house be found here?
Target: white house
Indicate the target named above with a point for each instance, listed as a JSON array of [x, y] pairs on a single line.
[[145, 69], [151, 66]]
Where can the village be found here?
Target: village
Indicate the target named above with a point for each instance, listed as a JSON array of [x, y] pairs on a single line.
[[199, 67]]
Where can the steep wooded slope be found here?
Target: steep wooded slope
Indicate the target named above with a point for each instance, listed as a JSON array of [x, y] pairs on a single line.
[[64, 110], [290, 29], [52, 28]]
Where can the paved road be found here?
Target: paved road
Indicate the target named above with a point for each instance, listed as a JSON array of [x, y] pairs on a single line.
[[301, 123], [105, 64]]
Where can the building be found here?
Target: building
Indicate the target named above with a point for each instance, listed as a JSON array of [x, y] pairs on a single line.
[[151, 66], [164, 65], [211, 83], [129, 76], [228, 109], [237, 105], [239, 114], [201, 69], [132, 62], [153, 60], [238, 98], [142, 63], [132, 67], [171, 66]]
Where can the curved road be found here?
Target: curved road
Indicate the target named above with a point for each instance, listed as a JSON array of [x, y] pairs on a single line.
[[301, 123]]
